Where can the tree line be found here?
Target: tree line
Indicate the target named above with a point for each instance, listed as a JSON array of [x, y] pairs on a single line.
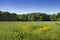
[[7, 16]]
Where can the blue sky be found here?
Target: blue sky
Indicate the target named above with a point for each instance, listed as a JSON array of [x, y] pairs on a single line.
[[29, 6]]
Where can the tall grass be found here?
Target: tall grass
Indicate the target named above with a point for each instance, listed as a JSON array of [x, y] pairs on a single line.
[[29, 30]]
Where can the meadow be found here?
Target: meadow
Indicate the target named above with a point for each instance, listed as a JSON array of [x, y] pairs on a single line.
[[30, 30]]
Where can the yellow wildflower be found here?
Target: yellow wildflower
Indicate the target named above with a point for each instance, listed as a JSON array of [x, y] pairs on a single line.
[[41, 29], [25, 27], [45, 28]]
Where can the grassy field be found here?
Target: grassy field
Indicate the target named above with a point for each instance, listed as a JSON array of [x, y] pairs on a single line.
[[29, 30]]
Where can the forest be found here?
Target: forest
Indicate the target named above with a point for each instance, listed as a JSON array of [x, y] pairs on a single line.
[[7, 16]]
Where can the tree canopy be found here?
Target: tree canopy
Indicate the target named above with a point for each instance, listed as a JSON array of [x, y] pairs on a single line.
[[7, 16]]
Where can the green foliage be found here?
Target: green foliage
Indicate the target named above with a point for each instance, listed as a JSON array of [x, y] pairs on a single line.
[[53, 17], [58, 15], [6, 16], [58, 19]]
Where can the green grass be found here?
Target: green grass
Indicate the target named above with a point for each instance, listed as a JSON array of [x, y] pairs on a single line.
[[13, 31]]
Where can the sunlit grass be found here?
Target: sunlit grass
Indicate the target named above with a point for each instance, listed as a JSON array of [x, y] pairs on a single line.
[[29, 30]]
